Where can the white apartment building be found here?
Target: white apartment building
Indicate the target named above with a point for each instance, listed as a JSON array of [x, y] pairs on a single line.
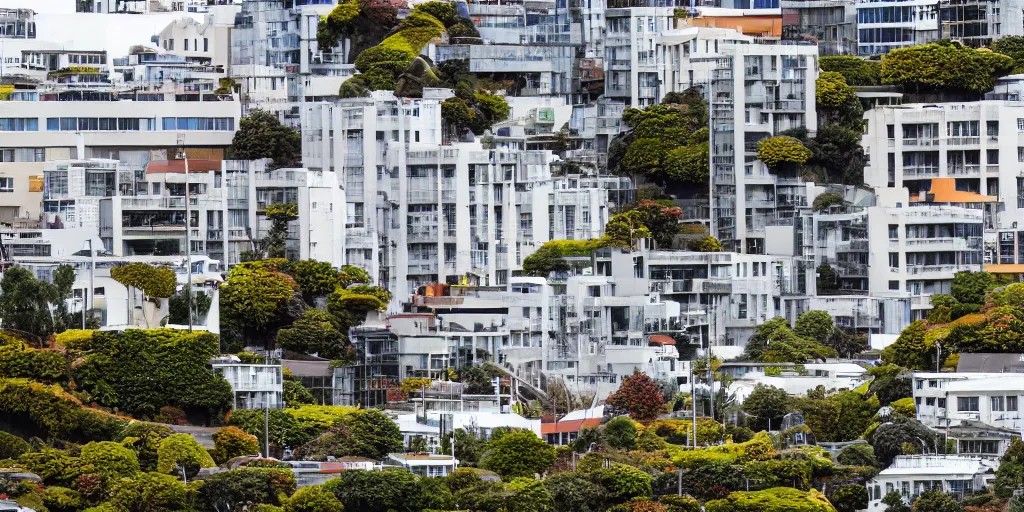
[[978, 24], [423, 209], [754, 91], [976, 144], [203, 42], [884, 26], [276, 61], [896, 249], [952, 399], [911, 475], [143, 212], [632, 69], [255, 386]]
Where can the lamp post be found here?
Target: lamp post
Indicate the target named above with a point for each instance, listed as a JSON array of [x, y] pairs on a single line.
[[182, 154]]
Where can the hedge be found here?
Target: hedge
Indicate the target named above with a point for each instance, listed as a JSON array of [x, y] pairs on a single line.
[[47, 366], [157, 282], [50, 412], [856, 70], [141, 371], [776, 499]]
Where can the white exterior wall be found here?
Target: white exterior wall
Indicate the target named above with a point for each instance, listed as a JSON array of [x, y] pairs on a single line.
[[631, 61], [922, 26], [207, 42], [983, 386], [153, 110], [256, 386], [911, 475]]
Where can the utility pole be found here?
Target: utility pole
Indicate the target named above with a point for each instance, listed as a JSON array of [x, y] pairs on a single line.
[[266, 429], [693, 402], [188, 230]]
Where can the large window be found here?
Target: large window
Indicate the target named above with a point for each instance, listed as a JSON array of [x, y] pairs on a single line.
[[6, 184], [101, 124], [19, 124], [199, 123], [967, 403]]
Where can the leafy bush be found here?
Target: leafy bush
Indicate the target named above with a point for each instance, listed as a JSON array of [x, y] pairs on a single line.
[[706, 244], [50, 412], [622, 482], [946, 66], [155, 282], [775, 151], [12, 446], [548, 258], [182, 451], [231, 442], [855, 70], [518, 453], [779, 498], [149, 492], [621, 432], [109, 459], [47, 366], [827, 200], [141, 371], [313, 499], [75, 339], [366, 433]]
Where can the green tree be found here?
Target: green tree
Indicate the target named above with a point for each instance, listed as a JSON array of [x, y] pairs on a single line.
[[640, 396], [894, 501], [825, 201], [1010, 475], [889, 438], [261, 135], [857, 455], [257, 300], [969, 287], [888, 383], [936, 501], [622, 482], [775, 151], [910, 350], [231, 442], [377, 491], [295, 394], [626, 230], [63, 282], [778, 498], [621, 433], [661, 221], [1013, 47], [815, 325], [315, 278], [351, 274], [155, 282], [530, 495], [62, 499], [837, 101], [367, 433], [181, 452], [178, 307], [150, 492], [314, 333], [313, 499], [242, 489], [573, 492], [766, 405], [109, 459], [855, 70], [706, 243], [25, 302], [518, 453], [945, 65]]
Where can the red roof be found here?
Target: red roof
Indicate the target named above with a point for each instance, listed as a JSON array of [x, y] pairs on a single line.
[[178, 166], [569, 426], [661, 339]]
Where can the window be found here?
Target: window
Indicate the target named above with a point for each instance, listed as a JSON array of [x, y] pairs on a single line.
[[1020, 124], [6, 184], [206, 44], [998, 403], [967, 403], [19, 124], [930, 401], [942, 403], [894, 231], [186, 45], [99, 290], [894, 285], [933, 383], [1011, 404]]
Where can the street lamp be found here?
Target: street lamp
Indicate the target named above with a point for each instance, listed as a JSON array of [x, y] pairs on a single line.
[[183, 155]]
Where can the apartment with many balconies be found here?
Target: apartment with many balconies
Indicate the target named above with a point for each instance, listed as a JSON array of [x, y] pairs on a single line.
[[885, 26]]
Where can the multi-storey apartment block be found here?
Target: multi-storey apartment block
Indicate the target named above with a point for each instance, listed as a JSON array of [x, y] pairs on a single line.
[[143, 212], [422, 208], [884, 26], [631, 54], [832, 24]]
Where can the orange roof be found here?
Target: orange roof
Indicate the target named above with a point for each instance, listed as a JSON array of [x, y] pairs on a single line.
[[178, 166], [661, 339], [944, 191], [1005, 268], [569, 426]]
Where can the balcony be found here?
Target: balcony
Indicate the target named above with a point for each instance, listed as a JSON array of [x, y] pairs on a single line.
[[925, 141], [215, 234], [921, 171], [963, 141], [943, 244], [944, 270], [422, 196], [786, 105], [970, 170]]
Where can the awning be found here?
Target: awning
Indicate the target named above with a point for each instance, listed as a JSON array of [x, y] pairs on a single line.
[[661, 339], [569, 426], [178, 166]]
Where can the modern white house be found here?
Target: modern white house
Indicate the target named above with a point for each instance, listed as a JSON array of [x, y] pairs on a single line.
[[885, 26], [424, 464], [911, 475], [255, 386], [949, 399]]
